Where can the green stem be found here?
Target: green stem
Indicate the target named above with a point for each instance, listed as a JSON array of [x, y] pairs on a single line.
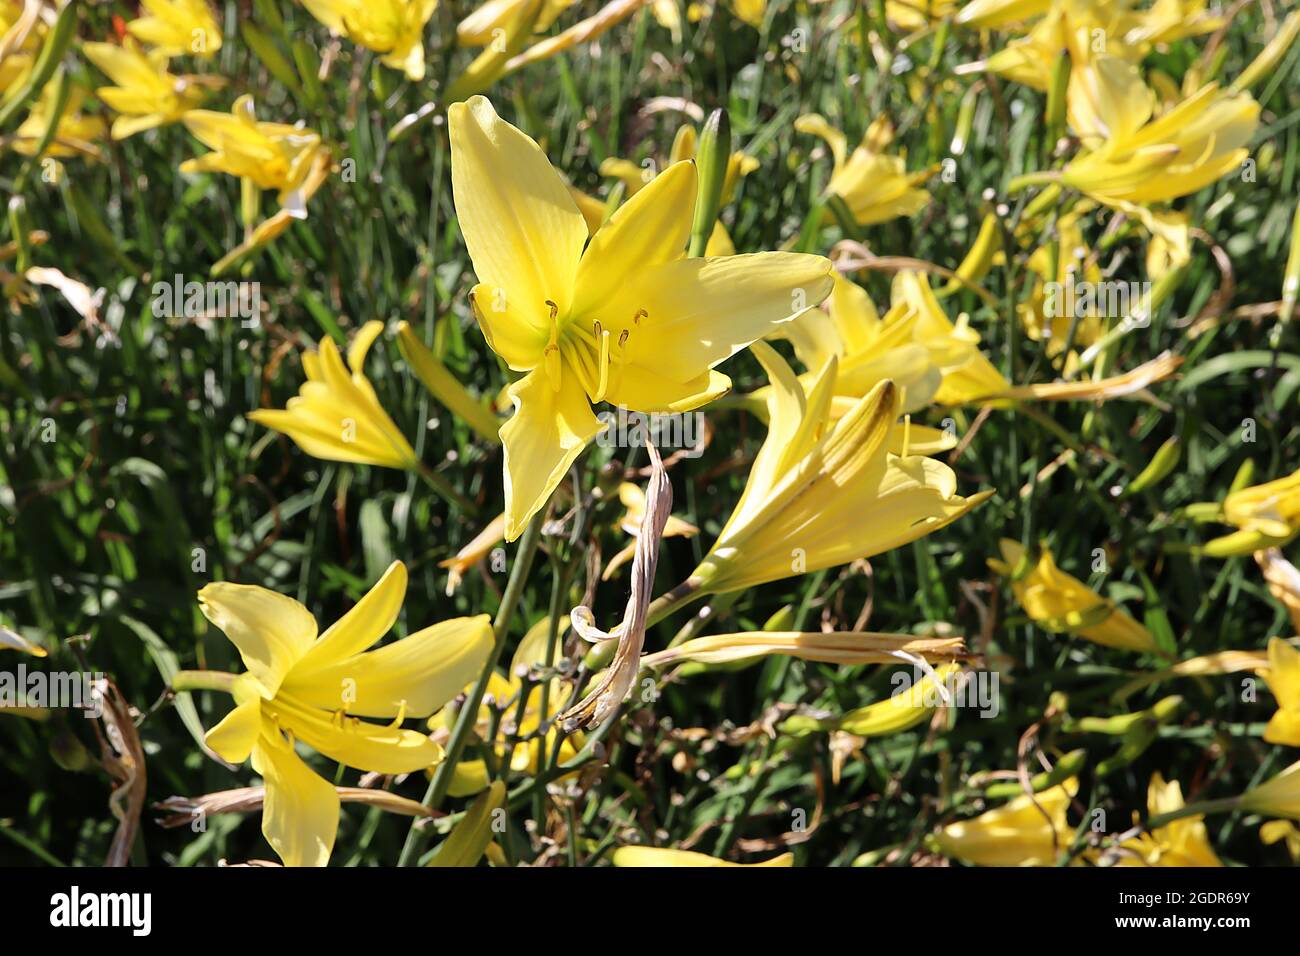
[[467, 716], [670, 601]]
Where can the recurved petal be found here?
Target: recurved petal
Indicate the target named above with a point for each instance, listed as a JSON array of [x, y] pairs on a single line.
[[270, 630], [300, 814], [234, 737], [551, 425], [414, 676], [523, 231]]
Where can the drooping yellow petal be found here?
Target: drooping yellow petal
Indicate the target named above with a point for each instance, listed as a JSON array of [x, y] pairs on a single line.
[[551, 425], [300, 814]]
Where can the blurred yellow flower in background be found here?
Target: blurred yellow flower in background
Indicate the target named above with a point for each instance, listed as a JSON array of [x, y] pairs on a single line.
[[1283, 679], [146, 94], [874, 186], [178, 27], [336, 414], [392, 28], [1182, 842], [1027, 831], [1062, 603]]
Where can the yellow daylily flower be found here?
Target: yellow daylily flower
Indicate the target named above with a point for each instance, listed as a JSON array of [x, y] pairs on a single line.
[[1143, 160], [821, 494], [1283, 679], [663, 856], [289, 159], [75, 135], [527, 754], [146, 94], [1063, 604], [1283, 580], [313, 690], [750, 11], [178, 27], [272, 155], [1272, 509], [914, 345], [393, 28], [1279, 796], [1169, 20], [629, 320], [1182, 842], [875, 187], [336, 414], [1025, 832], [634, 503]]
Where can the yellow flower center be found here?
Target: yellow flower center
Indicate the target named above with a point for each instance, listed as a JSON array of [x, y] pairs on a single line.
[[595, 354]]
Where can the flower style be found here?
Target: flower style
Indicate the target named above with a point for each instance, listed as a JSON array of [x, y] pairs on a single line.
[[1063, 604], [393, 28], [178, 27], [303, 688], [630, 320], [875, 187]]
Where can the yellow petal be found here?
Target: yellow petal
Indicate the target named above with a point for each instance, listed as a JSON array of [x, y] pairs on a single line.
[[370, 619], [657, 856], [300, 814], [522, 229], [413, 676], [270, 630], [551, 425], [234, 737]]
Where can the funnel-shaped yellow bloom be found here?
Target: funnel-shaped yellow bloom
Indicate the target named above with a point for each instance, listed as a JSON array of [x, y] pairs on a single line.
[[313, 690], [1062, 603], [1182, 842], [1025, 832], [521, 719], [178, 27], [1140, 160], [1272, 509], [821, 494], [1283, 677], [336, 414], [629, 320], [662, 856], [1278, 796], [146, 94], [394, 28], [875, 187]]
